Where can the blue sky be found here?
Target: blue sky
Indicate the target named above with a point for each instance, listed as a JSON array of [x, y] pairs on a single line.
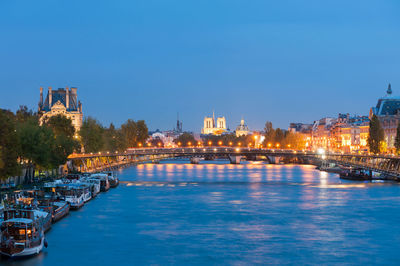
[[282, 61]]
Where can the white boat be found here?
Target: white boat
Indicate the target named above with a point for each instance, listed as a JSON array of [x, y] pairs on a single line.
[[22, 233], [113, 179], [94, 185], [74, 195], [104, 182]]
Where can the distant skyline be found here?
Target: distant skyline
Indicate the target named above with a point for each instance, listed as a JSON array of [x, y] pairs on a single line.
[[281, 61]]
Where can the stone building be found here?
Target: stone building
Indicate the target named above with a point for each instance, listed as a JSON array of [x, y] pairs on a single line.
[[242, 129], [388, 112], [61, 101], [212, 126]]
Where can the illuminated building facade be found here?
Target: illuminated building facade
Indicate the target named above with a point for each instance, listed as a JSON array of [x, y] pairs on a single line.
[[212, 126], [242, 129], [61, 101], [388, 112]]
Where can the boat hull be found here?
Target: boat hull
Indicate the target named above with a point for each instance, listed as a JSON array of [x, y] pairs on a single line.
[[22, 252], [61, 212]]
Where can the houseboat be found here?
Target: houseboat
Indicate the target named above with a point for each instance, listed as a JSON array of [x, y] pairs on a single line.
[[22, 233], [113, 179], [73, 195], [104, 182], [358, 174]]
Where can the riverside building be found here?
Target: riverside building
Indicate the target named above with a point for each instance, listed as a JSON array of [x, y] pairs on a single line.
[[214, 127], [61, 101], [388, 112]]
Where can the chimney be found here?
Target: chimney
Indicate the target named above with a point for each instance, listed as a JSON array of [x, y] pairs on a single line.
[[74, 95], [41, 97], [67, 98], [50, 97]]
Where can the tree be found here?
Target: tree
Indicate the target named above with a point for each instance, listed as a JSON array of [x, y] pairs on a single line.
[[376, 135], [23, 114], [397, 139], [113, 139], [36, 143], [91, 133], [185, 139], [61, 125], [9, 145], [61, 148], [269, 134], [134, 133]]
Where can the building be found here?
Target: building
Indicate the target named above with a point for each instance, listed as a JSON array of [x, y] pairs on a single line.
[[61, 101], [388, 112], [212, 126], [321, 136], [242, 129]]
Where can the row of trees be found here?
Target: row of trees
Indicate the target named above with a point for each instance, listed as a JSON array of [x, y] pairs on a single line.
[[282, 138], [23, 142], [94, 137], [273, 138]]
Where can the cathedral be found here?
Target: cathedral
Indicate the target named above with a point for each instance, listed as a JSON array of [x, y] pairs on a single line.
[[214, 127], [61, 101]]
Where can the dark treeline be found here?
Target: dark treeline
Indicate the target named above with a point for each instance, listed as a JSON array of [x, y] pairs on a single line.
[[25, 143], [95, 138]]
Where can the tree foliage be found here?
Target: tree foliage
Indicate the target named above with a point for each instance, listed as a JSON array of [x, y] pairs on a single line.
[[9, 146], [61, 125], [134, 133], [397, 139], [186, 139], [91, 134], [376, 135]]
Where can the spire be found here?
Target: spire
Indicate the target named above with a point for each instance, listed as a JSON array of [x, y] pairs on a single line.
[[389, 90], [213, 119]]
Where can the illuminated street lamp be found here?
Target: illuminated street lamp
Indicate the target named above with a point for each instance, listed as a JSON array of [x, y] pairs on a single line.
[[269, 145], [198, 143], [189, 144], [230, 143], [220, 143], [209, 143], [179, 143], [140, 144], [159, 144], [240, 144], [277, 145]]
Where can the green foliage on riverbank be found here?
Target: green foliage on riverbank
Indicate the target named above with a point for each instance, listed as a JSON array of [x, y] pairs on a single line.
[[95, 138], [376, 135], [24, 142]]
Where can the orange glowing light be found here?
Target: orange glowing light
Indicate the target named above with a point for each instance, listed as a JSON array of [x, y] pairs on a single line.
[[189, 143], [210, 143], [219, 142]]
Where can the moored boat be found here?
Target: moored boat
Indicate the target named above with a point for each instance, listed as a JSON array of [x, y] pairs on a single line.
[[73, 195], [113, 179], [22, 233], [355, 174], [104, 182]]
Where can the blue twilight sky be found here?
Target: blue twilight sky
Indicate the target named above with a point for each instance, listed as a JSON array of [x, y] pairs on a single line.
[[283, 61]]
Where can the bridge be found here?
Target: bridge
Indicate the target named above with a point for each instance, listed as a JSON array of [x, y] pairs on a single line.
[[385, 164]]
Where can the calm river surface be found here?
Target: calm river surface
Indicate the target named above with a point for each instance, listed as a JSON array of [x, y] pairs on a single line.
[[216, 213]]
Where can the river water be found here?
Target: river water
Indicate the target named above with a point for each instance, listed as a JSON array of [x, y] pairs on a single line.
[[217, 213]]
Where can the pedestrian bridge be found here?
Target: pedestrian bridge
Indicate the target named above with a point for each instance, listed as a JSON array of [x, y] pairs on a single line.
[[90, 162]]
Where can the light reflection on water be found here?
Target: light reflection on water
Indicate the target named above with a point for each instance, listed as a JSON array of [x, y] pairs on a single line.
[[218, 213]]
